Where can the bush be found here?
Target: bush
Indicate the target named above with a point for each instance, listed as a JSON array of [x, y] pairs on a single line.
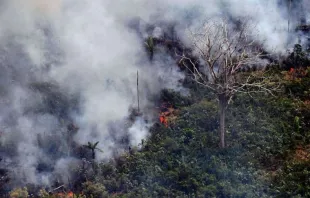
[[19, 193], [95, 190]]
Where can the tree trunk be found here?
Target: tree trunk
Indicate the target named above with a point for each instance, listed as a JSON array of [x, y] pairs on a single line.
[[222, 111], [93, 154]]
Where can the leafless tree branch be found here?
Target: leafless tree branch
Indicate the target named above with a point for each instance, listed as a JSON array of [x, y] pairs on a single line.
[[221, 53]]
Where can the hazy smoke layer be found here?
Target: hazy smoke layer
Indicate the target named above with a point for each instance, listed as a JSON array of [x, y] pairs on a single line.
[[75, 61]]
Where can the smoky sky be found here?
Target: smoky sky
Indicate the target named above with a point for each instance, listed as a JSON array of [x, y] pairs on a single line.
[[76, 61]]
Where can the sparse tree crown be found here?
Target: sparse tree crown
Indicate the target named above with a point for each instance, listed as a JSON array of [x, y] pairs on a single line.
[[223, 51]]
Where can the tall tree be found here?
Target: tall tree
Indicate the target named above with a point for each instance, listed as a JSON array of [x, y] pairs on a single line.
[[93, 148], [223, 50]]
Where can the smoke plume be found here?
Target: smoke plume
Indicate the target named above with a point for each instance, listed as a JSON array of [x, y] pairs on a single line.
[[74, 63]]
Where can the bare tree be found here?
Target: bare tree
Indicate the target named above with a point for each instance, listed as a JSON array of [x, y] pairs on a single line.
[[222, 51]]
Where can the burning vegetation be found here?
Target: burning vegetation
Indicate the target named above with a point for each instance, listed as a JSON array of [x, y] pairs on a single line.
[[167, 114], [59, 144]]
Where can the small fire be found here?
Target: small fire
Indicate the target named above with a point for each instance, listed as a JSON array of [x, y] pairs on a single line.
[[166, 112], [65, 195], [70, 194], [163, 119], [296, 74]]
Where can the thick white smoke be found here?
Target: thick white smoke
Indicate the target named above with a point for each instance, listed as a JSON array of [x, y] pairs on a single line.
[[87, 50]]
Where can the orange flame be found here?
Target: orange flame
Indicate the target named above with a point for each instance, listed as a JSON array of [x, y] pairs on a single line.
[[65, 195], [163, 119], [296, 74], [70, 194], [166, 111]]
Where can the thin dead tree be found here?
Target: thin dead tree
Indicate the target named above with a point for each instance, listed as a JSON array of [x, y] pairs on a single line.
[[222, 51], [289, 7], [138, 94]]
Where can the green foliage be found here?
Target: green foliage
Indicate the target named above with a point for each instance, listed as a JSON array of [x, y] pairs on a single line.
[[183, 159], [19, 193], [297, 58], [43, 194], [175, 98], [300, 86], [293, 180], [94, 190]]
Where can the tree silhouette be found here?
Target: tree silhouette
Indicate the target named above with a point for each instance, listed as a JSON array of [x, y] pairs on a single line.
[[93, 147], [150, 47]]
